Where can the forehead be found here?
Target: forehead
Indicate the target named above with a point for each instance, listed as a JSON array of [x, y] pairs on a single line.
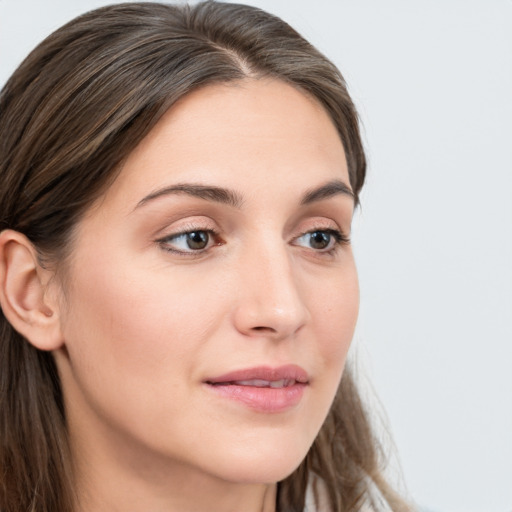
[[248, 134]]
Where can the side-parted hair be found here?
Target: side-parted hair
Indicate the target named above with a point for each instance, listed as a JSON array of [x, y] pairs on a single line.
[[69, 116]]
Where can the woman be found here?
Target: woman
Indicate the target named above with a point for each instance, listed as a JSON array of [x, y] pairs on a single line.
[[178, 290]]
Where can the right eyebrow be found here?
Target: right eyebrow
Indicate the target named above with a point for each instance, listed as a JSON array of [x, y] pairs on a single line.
[[207, 192]]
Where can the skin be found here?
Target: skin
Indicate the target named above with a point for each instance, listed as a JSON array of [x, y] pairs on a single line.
[[144, 320]]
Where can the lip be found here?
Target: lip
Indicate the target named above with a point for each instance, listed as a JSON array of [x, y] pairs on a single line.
[[290, 379]]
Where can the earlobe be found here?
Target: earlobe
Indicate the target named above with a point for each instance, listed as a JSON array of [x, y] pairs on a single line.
[[23, 292]]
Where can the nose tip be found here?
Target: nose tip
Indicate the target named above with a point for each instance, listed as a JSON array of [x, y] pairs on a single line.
[[261, 318], [270, 303]]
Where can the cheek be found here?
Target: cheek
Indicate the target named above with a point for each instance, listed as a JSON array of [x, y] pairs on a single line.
[[334, 309], [125, 332], [335, 314]]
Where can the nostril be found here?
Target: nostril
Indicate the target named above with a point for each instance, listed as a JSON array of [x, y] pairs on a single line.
[[263, 329]]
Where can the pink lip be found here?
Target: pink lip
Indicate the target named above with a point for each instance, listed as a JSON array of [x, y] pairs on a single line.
[[263, 399], [289, 371]]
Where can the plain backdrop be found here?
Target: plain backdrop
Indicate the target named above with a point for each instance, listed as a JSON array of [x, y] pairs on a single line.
[[433, 82]]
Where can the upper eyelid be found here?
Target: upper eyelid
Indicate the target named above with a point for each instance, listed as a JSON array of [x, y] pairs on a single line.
[[185, 226], [294, 228], [186, 231], [321, 224]]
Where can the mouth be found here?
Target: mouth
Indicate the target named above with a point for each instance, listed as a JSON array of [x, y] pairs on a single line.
[[263, 389], [258, 383]]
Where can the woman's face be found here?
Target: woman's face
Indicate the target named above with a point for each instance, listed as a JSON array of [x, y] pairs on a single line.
[[211, 295]]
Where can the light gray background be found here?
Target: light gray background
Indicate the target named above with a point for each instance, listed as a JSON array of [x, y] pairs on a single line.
[[433, 82]]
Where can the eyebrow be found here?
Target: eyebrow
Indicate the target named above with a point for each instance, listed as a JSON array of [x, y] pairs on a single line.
[[207, 192], [329, 189], [234, 199]]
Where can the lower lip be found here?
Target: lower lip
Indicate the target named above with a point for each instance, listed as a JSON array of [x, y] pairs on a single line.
[[262, 399]]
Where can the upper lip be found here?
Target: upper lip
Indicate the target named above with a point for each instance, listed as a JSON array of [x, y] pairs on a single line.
[[264, 373]]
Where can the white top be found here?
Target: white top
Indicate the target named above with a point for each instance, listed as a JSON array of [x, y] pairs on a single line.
[[311, 505]]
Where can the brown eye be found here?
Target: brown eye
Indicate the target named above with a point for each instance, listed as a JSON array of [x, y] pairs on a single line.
[[319, 239], [188, 242], [197, 240]]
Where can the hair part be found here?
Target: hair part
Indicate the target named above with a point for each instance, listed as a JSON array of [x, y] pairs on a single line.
[[70, 115]]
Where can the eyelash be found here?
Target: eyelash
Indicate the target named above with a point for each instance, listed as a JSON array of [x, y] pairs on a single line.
[[339, 237], [212, 235]]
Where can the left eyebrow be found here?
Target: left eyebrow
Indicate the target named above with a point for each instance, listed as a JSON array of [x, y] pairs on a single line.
[[329, 189]]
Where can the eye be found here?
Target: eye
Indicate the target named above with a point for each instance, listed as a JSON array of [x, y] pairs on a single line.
[[322, 240], [195, 241]]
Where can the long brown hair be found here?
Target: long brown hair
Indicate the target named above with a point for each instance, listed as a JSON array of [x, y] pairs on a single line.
[[69, 116]]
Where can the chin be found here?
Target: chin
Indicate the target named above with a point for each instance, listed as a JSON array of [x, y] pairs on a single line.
[[262, 473], [267, 464]]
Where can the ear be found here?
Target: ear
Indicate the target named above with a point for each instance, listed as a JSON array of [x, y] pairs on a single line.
[[25, 295]]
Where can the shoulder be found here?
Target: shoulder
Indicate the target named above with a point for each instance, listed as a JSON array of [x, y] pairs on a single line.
[[317, 498], [316, 495]]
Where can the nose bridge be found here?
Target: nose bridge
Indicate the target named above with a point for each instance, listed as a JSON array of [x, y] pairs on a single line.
[[270, 300]]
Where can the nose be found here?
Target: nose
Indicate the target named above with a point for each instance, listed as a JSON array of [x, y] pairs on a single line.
[[269, 300]]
